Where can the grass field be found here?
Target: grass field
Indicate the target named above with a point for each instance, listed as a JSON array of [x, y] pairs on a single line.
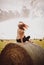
[[4, 42], [39, 42]]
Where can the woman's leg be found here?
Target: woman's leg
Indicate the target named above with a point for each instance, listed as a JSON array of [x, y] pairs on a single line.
[[18, 40], [24, 39], [27, 38]]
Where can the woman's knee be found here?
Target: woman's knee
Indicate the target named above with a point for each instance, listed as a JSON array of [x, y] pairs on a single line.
[[18, 40]]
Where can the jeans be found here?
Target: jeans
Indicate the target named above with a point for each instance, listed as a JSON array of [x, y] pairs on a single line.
[[24, 39]]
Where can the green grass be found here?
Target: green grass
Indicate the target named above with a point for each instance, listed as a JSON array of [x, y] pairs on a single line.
[[4, 42], [40, 43], [2, 45]]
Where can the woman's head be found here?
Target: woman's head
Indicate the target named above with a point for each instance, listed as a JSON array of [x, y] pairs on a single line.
[[23, 26]]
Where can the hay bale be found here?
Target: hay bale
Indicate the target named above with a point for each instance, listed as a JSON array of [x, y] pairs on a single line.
[[40, 40], [13, 54]]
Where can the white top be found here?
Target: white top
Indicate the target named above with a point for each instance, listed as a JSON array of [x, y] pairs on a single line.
[[20, 33]]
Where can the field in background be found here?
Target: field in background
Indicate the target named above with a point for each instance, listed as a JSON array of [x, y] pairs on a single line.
[[39, 42]]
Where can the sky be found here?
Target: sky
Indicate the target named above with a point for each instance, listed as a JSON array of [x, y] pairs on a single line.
[[35, 20]]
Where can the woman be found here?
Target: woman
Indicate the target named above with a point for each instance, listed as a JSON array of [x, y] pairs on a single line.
[[21, 33]]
